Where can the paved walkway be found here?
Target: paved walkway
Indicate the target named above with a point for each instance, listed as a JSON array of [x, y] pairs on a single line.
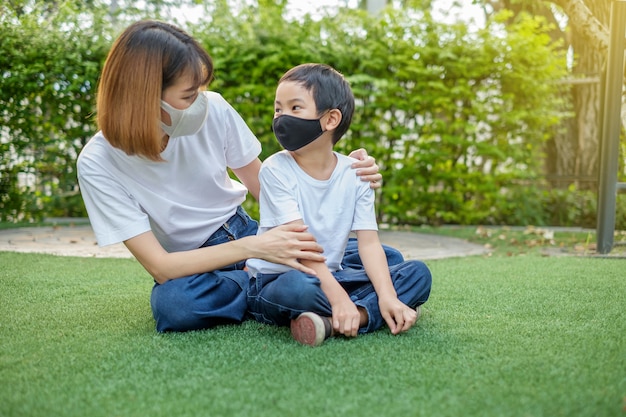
[[79, 240]]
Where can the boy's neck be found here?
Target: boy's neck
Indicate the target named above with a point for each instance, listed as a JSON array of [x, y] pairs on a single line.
[[317, 162]]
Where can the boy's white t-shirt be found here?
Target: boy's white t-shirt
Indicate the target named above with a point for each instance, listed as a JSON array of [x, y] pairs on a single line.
[[330, 208], [183, 200]]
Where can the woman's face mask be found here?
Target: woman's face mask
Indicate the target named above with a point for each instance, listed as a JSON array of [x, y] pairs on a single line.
[[188, 121], [293, 132]]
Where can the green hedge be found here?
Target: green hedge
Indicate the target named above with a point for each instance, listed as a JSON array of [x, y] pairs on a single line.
[[457, 120], [49, 64]]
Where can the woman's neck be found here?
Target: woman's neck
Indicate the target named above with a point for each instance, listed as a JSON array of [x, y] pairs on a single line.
[[164, 141]]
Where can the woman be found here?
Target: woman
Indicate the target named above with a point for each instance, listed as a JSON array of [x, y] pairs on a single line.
[[155, 177]]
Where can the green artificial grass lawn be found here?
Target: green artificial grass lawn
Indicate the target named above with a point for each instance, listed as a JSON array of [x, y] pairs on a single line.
[[500, 336]]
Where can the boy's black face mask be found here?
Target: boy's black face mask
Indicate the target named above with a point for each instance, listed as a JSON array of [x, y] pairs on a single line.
[[293, 133]]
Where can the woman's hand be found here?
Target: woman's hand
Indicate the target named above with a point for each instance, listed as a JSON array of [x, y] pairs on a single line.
[[287, 244], [366, 168]]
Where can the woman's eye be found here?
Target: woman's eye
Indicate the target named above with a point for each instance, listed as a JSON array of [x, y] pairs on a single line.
[[192, 96]]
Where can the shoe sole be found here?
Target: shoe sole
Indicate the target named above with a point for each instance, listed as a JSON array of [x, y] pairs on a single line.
[[308, 329]]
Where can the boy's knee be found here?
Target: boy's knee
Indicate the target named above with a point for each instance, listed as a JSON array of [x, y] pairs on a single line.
[[423, 279], [394, 256], [413, 280], [293, 289], [424, 271], [419, 269]]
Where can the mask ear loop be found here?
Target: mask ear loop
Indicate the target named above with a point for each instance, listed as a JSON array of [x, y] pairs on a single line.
[[169, 114], [320, 118], [325, 113]]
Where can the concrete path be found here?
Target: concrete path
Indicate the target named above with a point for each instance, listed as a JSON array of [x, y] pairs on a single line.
[[79, 240]]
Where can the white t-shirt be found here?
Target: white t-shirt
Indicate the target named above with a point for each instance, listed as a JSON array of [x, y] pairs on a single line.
[[331, 208], [183, 200]]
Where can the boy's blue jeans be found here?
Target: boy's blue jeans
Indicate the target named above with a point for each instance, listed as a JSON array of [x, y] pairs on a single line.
[[206, 300], [277, 299]]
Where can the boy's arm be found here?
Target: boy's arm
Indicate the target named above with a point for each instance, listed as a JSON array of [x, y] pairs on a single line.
[[345, 315], [398, 316]]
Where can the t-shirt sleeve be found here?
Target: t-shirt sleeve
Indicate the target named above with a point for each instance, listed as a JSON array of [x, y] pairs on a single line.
[[277, 202], [112, 218], [242, 146], [364, 210]]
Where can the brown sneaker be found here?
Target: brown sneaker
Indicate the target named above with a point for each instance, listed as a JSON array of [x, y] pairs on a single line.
[[311, 329]]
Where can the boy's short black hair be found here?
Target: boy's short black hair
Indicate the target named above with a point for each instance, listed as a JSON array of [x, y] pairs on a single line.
[[329, 89]]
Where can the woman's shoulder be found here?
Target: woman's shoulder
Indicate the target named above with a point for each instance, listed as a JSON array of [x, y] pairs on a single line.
[[97, 153], [216, 98], [220, 107], [96, 146]]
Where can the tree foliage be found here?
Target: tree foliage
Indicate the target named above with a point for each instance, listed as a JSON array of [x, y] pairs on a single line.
[[583, 28], [48, 70], [456, 119]]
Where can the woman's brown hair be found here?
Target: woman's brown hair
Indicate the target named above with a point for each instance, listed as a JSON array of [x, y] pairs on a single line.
[[148, 57]]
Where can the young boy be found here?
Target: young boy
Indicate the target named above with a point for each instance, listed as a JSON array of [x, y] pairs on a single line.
[[308, 183]]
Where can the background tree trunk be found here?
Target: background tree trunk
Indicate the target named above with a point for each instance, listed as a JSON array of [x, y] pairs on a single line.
[[587, 114], [589, 62]]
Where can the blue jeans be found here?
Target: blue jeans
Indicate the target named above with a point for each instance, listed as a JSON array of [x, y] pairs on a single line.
[[202, 301], [351, 258], [279, 298], [206, 300]]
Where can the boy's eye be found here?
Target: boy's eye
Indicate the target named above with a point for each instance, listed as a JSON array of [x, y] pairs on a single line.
[[296, 108]]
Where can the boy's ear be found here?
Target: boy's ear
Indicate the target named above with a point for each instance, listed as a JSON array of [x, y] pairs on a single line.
[[333, 118]]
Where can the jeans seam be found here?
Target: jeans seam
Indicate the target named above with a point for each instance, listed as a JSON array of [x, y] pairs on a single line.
[[265, 301]]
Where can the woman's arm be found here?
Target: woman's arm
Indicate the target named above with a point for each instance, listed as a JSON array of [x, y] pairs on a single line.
[[249, 176], [285, 244]]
